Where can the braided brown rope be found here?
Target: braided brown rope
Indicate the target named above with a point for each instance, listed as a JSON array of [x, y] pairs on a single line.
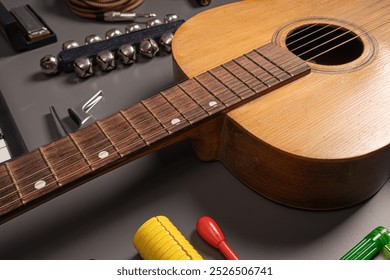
[[90, 8]]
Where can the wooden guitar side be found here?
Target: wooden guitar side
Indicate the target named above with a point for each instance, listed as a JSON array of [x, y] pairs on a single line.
[[321, 142]]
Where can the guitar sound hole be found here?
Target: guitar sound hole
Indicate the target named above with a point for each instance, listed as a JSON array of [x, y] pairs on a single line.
[[325, 44]]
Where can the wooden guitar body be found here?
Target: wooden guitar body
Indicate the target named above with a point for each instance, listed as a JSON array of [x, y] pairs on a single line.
[[321, 142], [292, 96]]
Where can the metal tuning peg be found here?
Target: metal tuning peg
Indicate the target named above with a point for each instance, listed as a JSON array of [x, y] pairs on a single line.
[[148, 47], [70, 45], [83, 67], [114, 32], [166, 42], [106, 60], [132, 27], [49, 65], [127, 54], [93, 38]]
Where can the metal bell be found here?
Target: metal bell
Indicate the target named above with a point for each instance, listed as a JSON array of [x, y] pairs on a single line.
[[166, 41], [114, 32], [49, 65], [132, 27], [105, 60], [70, 45], [83, 67], [170, 18], [148, 47], [93, 38], [153, 22], [127, 54]]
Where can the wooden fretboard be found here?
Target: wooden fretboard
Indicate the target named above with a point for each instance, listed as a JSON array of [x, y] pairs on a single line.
[[117, 139]]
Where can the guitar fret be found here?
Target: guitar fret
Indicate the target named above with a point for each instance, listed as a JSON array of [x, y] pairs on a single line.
[[187, 106], [257, 71], [32, 176], [165, 113], [10, 198], [122, 135], [219, 90], [48, 164], [107, 137], [232, 82], [95, 146], [252, 82], [126, 135], [65, 160], [270, 67], [144, 123], [285, 60], [201, 96]]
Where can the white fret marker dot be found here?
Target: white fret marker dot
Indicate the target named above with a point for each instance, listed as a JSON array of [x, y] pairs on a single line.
[[213, 103], [40, 184], [103, 154], [175, 121]]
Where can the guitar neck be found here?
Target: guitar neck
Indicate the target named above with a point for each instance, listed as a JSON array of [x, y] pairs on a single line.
[[149, 125]]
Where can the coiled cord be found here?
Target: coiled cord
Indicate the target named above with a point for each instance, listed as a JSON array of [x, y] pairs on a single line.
[[91, 9]]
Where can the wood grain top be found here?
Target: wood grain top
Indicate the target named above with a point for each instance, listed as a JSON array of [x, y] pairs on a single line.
[[325, 116]]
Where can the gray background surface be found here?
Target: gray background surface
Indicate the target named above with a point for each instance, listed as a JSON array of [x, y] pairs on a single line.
[[98, 219]]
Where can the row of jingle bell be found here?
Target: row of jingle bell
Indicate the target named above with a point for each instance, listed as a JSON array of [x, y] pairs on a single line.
[[127, 53]]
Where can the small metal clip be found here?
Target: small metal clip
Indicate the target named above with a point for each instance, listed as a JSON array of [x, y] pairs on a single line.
[[79, 114]]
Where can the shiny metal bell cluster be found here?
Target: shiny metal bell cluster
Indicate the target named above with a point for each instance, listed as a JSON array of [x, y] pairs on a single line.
[[107, 60]]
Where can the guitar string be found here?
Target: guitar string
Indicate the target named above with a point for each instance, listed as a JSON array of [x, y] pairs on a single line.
[[197, 106], [93, 162], [104, 140], [334, 38], [328, 25], [136, 143], [111, 145]]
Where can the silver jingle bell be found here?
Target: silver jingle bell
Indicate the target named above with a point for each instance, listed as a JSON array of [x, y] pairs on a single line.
[[170, 18], [93, 38], [70, 45], [127, 54], [49, 65], [105, 60], [114, 32], [132, 27], [83, 67], [148, 47], [166, 41], [153, 22]]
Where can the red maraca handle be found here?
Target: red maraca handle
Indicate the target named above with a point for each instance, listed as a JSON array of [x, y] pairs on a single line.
[[209, 230]]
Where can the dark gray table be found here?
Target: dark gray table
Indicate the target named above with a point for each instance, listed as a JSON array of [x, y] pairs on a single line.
[[98, 219]]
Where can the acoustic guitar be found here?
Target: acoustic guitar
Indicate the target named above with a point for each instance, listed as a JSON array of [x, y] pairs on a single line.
[[290, 95]]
